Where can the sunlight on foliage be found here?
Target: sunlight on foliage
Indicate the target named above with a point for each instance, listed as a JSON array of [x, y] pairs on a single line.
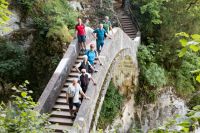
[[19, 116]]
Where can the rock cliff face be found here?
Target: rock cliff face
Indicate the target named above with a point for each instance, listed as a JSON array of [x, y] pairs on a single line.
[[150, 116], [154, 115]]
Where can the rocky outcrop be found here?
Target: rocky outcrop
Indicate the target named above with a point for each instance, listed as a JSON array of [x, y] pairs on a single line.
[[154, 115]]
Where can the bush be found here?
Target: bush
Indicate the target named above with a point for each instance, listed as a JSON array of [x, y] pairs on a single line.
[[195, 100], [155, 75], [19, 116], [13, 64], [111, 107]]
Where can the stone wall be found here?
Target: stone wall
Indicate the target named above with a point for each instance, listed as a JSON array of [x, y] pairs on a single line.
[[119, 45]]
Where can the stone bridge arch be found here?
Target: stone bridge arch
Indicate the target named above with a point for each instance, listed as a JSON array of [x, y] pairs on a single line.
[[114, 52], [121, 46]]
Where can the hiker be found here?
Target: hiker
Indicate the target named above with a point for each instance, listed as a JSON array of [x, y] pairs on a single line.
[[92, 55], [81, 35], [85, 79], [99, 35], [85, 64], [87, 22], [107, 25], [72, 93]]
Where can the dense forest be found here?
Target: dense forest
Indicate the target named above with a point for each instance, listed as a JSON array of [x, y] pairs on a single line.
[[168, 56]]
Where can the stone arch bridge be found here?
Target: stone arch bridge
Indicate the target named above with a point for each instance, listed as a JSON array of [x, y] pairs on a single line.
[[118, 54]]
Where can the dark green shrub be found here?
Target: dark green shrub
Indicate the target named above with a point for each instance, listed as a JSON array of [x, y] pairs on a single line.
[[111, 106]]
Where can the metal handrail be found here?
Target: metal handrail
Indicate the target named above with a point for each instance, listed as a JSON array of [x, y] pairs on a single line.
[[134, 19]]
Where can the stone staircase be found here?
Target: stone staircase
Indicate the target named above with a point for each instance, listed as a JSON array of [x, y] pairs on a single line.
[[127, 25], [60, 116]]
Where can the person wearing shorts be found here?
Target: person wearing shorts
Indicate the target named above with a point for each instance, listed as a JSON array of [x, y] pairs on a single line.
[[72, 93], [81, 34]]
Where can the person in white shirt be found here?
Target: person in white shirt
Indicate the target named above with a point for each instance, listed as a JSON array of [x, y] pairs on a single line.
[[72, 93]]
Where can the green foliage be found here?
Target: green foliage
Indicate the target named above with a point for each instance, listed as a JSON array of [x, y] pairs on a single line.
[[4, 12], [152, 9], [191, 42], [25, 5], [13, 64], [151, 77], [52, 20], [111, 106], [155, 75], [195, 100], [19, 116]]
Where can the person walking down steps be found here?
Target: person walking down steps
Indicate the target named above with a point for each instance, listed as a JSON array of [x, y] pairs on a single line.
[[85, 79], [72, 95], [85, 64], [92, 55], [81, 35], [99, 34]]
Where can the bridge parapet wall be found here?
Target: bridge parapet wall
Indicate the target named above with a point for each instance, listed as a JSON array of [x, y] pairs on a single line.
[[53, 88]]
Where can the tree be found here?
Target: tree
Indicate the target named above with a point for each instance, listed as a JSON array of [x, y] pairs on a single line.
[[191, 42], [19, 116]]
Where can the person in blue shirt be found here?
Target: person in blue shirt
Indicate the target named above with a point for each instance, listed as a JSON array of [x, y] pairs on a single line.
[[99, 34], [92, 55]]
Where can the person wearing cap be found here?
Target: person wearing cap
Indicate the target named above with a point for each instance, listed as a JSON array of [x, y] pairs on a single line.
[[85, 64], [99, 34], [81, 34], [84, 79], [72, 95], [92, 55]]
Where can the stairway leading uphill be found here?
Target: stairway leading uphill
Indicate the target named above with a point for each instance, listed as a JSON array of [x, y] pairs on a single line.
[[127, 25], [60, 116]]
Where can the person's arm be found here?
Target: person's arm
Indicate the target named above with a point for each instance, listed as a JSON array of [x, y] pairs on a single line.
[[76, 32], [90, 77], [84, 95], [111, 28], [77, 66], [91, 66], [94, 34], [108, 35], [67, 96], [97, 56]]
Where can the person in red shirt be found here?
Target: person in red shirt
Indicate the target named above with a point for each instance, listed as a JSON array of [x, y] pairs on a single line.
[[81, 34]]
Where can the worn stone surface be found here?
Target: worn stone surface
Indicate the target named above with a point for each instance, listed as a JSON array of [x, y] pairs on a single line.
[[167, 106]]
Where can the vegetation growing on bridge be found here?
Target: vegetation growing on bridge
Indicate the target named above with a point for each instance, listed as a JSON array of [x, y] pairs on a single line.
[[111, 106]]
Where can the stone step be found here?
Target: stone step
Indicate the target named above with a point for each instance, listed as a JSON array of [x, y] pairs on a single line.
[[70, 79], [80, 57], [61, 101], [60, 128], [59, 107], [67, 84], [128, 20], [61, 114], [125, 17], [61, 121], [62, 94], [78, 61], [74, 74], [129, 30], [73, 70]]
